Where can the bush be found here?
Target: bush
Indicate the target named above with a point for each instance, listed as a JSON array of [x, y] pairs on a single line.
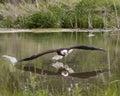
[[6, 22], [82, 10], [83, 21], [68, 20], [97, 22], [38, 20], [61, 14]]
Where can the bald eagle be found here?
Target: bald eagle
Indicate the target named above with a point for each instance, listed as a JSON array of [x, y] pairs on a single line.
[[61, 53]]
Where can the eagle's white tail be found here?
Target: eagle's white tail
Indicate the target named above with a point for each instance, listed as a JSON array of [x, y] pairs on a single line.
[[13, 60]]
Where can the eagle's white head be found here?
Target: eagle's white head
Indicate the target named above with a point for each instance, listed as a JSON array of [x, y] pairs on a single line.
[[64, 52], [59, 65]]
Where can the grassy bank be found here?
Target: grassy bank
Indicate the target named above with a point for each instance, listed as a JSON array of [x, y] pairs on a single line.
[[18, 83], [61, 14]]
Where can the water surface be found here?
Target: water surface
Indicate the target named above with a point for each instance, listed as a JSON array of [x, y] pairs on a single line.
[[21, 45]]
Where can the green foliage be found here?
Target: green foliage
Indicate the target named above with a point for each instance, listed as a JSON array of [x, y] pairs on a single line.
[[17, 83], [21, 22], [1, 17], [97, 22], [85, 5], [6, 22], [68, 20], [2, 1], [83, 21], [38, 20], [62, 14]]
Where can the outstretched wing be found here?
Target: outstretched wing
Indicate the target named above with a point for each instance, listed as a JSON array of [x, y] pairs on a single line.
[[38, 71], [56, 50], [86, 74], [37, 55], [86, 47]]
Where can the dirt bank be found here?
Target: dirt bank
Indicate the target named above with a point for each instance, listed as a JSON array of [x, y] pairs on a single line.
[[8, 30]]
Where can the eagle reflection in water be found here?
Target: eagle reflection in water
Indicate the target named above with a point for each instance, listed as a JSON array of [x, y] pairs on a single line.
[[63, 70]]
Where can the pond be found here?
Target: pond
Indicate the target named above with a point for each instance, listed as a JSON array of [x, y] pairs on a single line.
[[21, 45]]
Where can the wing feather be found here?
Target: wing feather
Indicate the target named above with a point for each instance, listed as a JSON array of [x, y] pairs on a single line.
[[86, 47], [38, 71], [37, 55], [87, 74]]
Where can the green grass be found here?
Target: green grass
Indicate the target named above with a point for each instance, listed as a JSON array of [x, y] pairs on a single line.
[[61, 14], [18, 83]]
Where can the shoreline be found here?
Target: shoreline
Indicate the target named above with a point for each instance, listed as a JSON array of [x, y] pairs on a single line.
[[50, 30]]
